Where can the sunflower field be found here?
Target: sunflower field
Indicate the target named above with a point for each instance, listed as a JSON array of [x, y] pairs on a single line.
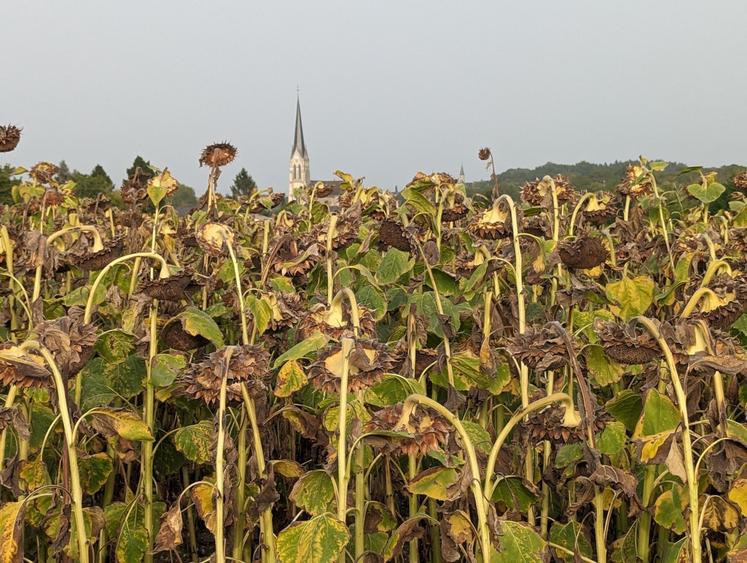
[[373, 377]]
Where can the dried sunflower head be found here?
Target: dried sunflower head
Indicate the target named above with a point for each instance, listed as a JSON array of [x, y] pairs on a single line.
[[248, 365], [174, 288], [425, 358], [214, 237], [429, 430], [68, 339], [455, 210], [43, 172], [394, 235], [22, 369], [540, 349], [334, 321], [484, 153], [601, 209], [740, 181], [368, 362], [294, 257], [134, 189], [493, 223], [727, 302], [287, 309], [218, 154], [10, 136], [176, 337], [548, 424], [636, 183], [583, 253], [92, 261], [539, 192], [627, 343]]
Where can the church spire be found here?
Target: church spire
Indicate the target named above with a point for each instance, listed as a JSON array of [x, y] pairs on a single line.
[[461, 174], [298, 142]]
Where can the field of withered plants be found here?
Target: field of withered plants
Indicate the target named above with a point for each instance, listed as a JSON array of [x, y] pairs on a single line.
[[424, 377]]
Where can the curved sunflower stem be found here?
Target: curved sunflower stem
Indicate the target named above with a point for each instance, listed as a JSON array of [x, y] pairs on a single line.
[[576, 209], [76, 492], [151, 255], [687, 450], [481, 502], [97, 245]]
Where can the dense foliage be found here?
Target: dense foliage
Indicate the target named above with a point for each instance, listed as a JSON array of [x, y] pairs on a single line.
[[560, 378]]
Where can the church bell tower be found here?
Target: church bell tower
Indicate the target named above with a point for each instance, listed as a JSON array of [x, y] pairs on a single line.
[[298, 171]]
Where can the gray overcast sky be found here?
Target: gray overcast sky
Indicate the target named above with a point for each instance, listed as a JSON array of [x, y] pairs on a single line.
[[387, 87]]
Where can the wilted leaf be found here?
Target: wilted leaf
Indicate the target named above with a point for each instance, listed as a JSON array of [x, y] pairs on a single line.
[[197, 322], [126, 424], [11, 527], [313, 343], [202, 496], [169, 535], [571, 536], [669, 509], [708, 193], [94, 471]]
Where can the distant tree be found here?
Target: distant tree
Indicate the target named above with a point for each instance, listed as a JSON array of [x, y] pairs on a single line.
[[6, 183], [141, 163], [184, 199], [243, 184], [99, 172], [64, 174], [89, 185]]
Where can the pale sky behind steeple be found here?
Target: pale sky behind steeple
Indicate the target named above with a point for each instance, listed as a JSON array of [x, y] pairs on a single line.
[[387, 88]]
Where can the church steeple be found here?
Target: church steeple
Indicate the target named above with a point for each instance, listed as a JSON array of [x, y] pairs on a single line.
[[298, 142], [461, 174], [299, 174]]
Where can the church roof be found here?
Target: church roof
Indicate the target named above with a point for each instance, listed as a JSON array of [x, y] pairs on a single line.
[[298, 142]]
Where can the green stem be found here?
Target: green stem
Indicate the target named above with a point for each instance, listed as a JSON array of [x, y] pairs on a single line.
[[687, 450], [76, 492], [342, 479], [220, 547]]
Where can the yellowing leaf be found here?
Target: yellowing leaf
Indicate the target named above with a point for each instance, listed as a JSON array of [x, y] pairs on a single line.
[[319, 540], [11, 525], [291, 378], [630, 296], [738, 495], [196, 441], [669, 509], [202, 496], [314, 492], [433, 483]]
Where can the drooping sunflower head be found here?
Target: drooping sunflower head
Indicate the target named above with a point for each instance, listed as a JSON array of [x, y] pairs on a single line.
[[601, 208], [174, 288], [367, 363], [97, 260], [539, 192], [429, 431], [17, 367], [626, 343], [540, 349], [10, 136], [43, 172], [740, 181], [636, 183], [583, 253], [248, 365], [213, 238], [484, 153], [493, 223], [217, 155]]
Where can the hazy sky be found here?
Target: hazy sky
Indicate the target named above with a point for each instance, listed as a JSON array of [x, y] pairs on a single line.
[[387, 87]]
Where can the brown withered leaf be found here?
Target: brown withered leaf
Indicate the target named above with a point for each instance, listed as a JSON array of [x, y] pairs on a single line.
[[407, 531], [169, 535]]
